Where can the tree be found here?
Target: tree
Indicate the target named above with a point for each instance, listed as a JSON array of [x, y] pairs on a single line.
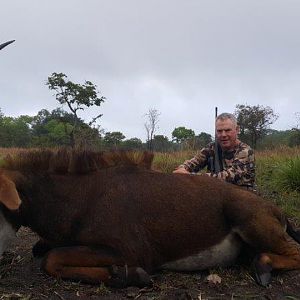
[[132, 144], [57, 132], [113, 139], [274, 139], [52, 128], [88, 137], [161, 143], [254, 122], [202, 140], [181, 134], [295, 136], [76, 96], [151, 126], [15, 132]]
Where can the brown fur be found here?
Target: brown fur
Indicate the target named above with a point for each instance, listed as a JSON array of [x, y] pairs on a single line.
[[114, 204], [8, 193], [65, 160]]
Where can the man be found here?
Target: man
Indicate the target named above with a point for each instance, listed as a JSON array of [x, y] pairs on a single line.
[[236, 158]]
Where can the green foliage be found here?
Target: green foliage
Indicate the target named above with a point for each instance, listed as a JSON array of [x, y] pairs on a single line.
[[15, 132], [161, 143], [181, 134], [254, 122], [199, 141], [275, 139], [113, 139], [58, 132], [132, 144], [294, 137], [76, 96], [203, 139], [287, 176], [88, 137], [52, 128], [277, 178]]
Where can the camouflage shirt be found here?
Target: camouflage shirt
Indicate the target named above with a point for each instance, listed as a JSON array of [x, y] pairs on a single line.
[[238, 165]]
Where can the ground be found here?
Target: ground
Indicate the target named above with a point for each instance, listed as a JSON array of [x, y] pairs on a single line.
[[21, 278]]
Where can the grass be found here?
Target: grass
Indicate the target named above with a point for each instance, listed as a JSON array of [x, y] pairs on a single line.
[[278, 178], [167, 162], [288, 175]]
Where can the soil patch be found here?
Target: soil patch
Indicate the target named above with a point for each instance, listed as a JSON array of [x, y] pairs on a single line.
[[21, 278]]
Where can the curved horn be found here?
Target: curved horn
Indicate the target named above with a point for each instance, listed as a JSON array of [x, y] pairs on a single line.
[[6, 44]]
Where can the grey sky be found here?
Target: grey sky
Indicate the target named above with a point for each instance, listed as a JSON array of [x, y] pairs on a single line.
[[181, 57]]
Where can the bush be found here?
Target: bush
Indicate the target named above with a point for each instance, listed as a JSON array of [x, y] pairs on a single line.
[[287, 176]]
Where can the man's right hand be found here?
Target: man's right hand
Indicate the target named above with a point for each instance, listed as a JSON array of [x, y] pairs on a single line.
[[181, 170]]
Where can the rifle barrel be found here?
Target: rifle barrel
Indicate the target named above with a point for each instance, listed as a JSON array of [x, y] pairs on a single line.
[[217, 167]]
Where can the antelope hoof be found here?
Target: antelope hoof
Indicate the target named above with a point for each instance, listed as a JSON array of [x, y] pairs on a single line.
[[262, 272], [123, 276], [40, 248], [139, 278]]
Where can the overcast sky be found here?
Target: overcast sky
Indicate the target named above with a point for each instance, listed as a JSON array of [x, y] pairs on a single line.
[[181, 57]]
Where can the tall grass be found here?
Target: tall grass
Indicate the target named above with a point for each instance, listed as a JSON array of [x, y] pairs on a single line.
[[278, 178], [12, 151], [167, 162], [287, 176], [279, 169]]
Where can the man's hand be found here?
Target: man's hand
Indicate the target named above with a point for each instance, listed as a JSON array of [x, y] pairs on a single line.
[[181, 170]]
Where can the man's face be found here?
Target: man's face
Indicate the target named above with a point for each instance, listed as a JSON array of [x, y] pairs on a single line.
[[226, 133]]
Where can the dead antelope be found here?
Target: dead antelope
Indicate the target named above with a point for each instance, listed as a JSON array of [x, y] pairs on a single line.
[[106, 218]]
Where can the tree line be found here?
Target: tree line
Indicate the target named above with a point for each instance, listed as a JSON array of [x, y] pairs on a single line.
[[56, 128], [65, 128]]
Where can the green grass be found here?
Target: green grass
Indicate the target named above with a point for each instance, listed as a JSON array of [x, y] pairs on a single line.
[[167, 162], [287, 175], [278, 178]]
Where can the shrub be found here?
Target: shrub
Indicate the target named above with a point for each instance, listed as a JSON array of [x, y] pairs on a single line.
[[287, 176]]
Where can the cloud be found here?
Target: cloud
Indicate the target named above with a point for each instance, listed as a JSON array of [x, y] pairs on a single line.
[[181, 57]]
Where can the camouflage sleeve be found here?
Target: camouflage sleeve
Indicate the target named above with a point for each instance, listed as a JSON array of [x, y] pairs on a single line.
[[198, 162], [242, 170]]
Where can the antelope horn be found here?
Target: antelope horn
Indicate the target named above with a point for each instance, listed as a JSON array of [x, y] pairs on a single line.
[[6, 44]]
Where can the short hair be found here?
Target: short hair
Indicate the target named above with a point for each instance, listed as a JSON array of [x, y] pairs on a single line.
[[225, 116]]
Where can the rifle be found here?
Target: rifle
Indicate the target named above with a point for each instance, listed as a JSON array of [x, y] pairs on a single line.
[[217, 165], [6, 44]]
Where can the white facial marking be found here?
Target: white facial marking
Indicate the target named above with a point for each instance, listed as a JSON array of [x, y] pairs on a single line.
[[222, 254]]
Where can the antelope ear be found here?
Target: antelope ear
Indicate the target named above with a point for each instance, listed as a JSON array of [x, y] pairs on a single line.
[[8, 193]]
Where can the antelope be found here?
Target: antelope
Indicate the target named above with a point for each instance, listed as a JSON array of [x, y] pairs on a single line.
[[106, 217]]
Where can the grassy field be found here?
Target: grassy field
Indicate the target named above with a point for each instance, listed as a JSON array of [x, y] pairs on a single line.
[[278, 178]]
